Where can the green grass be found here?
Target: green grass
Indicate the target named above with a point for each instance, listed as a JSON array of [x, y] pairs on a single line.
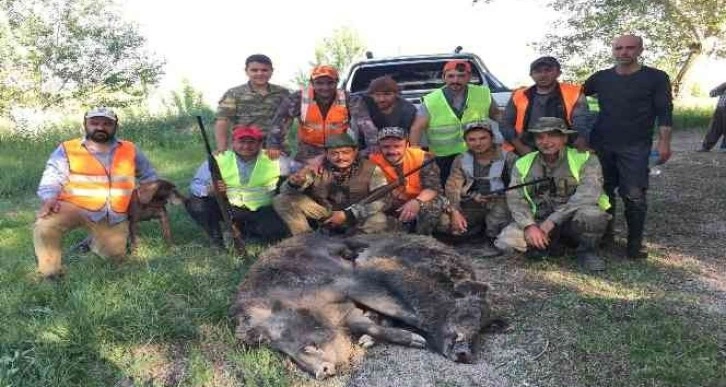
[[161, 317]]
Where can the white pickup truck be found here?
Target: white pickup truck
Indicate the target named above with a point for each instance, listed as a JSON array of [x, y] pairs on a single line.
[[418, 75]]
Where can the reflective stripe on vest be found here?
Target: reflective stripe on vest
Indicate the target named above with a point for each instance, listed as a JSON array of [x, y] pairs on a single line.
[[90, 186], [413, 158], [496, 168], [570, 94], [575, 161], [314, 128], [445, 132], [260, 188]]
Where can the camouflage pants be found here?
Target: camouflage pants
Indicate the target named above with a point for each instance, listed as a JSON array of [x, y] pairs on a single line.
[[109, 240], [427, 221], [295, 209], [487, 218], [588, 222]]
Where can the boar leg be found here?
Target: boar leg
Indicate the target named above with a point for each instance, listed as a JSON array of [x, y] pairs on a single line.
[[360, 324], [378, 300]]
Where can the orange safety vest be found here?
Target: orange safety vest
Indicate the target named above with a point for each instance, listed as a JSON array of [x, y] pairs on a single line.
[[314, 128], [413, 158], [90, 186], [570, 93]]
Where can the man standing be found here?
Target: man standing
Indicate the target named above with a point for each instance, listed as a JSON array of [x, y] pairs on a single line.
[[483, 168], [89, 183], [321, 110], [571, 207], [253, 103], [418, 203], [249, 179], [546, 98], [632, 99], [331, 194], [383, 107], [717, 128], [448, 109]]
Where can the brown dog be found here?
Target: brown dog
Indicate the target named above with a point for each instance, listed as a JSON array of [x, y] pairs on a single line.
[[148, 201]]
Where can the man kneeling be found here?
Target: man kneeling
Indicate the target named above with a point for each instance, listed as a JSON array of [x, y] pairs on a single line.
[[572, 206], [249, 180], [332, 194]]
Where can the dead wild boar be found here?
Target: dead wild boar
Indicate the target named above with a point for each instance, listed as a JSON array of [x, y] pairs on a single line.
[[309, 294], [294, 300]]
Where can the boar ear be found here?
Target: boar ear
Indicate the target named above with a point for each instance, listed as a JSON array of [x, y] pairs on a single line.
[[252, 335], [471, 288]]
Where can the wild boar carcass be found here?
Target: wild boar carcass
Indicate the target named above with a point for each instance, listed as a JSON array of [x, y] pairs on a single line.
[[306, 296]]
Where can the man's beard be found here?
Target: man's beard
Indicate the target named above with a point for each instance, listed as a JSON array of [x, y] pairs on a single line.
[[100, 136]]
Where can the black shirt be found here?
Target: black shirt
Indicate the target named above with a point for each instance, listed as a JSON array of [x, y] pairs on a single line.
[[630, 105], [402, 115]]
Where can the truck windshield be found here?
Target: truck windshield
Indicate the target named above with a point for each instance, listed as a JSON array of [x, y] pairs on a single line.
[[414, 75]]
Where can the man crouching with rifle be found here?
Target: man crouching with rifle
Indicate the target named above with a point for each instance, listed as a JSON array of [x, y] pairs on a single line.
[[418, 203], [242, 182], [476, 174], [335, 193]]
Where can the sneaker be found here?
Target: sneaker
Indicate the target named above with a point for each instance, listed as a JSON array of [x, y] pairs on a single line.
[[591, 261], [488, 250], [638, 252]]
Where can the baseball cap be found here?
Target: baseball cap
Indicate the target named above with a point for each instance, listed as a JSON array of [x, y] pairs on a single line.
[[324, 71], [478, 125], [101, 111], [454, 64], [550, 124], [392, 131], [241, 131], [547, 61]]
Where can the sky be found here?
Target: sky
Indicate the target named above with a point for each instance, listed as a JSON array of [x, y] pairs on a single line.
[[207, 42]]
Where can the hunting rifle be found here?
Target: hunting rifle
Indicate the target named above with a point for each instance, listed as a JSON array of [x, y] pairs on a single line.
[[476, 197], [221, 197], [382, 191]]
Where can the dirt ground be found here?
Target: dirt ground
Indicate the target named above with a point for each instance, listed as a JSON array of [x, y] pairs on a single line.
[[686, 233]]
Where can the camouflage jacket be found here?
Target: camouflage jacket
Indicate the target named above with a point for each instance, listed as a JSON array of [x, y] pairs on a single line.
[[559, 201], [325, 176], [457, 182], [242, 105]]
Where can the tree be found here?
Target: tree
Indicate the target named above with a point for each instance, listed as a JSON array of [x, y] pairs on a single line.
[[338, 50], [676, 33], [59, 52]]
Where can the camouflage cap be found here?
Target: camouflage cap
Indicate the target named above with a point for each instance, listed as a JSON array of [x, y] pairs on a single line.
[[478, 125], [341, 140], [392, 131], [550, 124], [101, 111]]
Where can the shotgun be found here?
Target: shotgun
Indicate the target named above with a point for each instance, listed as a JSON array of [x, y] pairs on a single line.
[[221, 198]]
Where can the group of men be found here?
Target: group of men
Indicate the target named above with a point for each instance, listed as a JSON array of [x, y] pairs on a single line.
[[358, 165]]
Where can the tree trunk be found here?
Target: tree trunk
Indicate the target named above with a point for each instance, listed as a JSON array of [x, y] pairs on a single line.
[[695, 53]]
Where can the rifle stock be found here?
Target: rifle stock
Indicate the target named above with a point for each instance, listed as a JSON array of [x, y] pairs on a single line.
[[220, 197]]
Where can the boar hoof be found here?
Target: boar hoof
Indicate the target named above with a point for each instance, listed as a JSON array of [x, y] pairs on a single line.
[[418, 341], [326, 369], [366, 341]]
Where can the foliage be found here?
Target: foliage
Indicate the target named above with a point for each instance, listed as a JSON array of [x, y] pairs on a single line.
[[58, 52], [676, 33], [338, 50], [186, 101]]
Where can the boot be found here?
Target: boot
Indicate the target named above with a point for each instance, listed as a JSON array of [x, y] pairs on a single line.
[[635, 218], [488, 250], [608, 239], [587, 255]]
